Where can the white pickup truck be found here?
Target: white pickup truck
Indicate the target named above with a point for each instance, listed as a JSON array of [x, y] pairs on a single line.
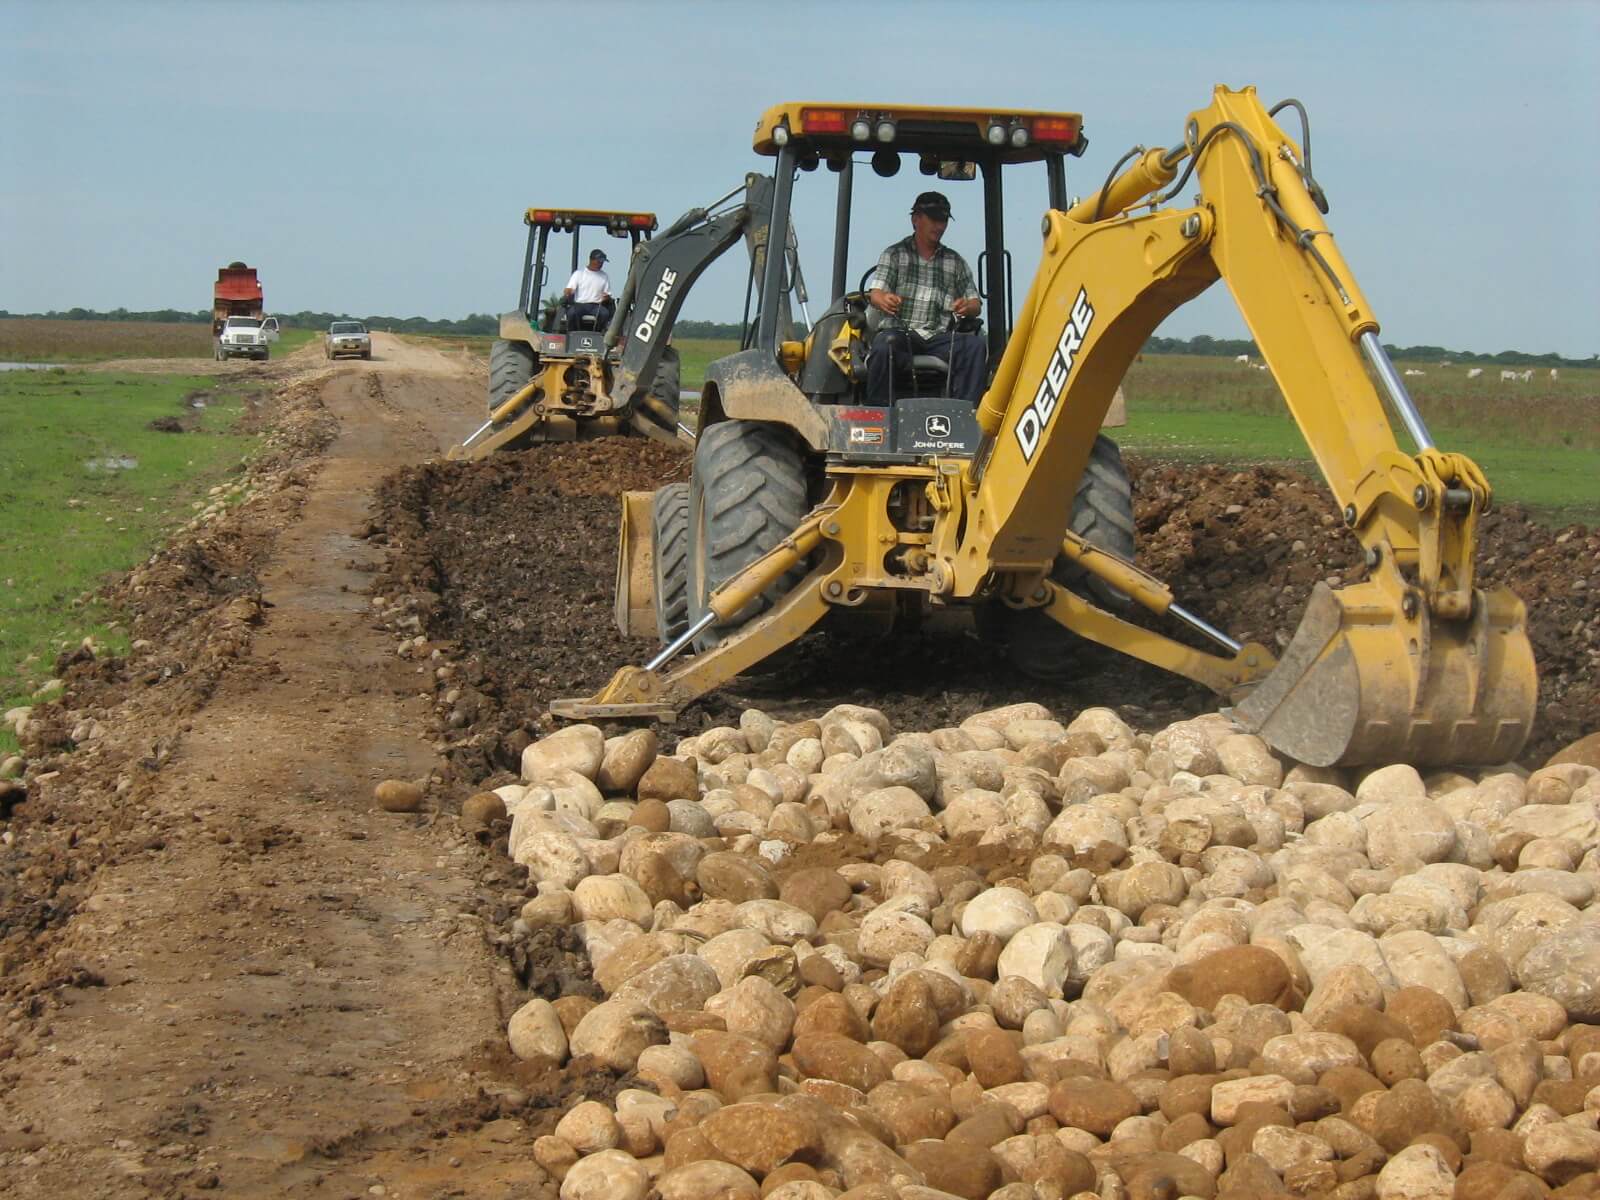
[[250, 337]]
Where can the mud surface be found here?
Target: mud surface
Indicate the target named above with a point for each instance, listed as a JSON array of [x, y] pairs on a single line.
[[223, 971], [514, 559]]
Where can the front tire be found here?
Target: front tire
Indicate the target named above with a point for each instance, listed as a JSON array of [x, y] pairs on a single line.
[[510, 369], [1102, 513], [669, 556], [747, 493]]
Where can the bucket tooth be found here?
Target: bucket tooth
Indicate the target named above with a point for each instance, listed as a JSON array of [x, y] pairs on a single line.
[[1360, 683]]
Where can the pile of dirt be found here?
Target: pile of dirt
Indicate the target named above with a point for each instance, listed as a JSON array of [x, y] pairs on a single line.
[[1244, 548], [508, 564]]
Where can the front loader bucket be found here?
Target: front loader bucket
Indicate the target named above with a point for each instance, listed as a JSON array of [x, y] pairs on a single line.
[[1361, 683], [636, 601]]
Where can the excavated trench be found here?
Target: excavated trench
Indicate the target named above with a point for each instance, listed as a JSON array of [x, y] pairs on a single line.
[[510, 563]]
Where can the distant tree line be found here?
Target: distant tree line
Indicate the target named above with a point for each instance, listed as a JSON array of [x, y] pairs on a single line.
[[472, 323], [488, 324], [1233, 347]]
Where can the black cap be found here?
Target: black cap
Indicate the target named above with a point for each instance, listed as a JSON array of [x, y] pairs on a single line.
[[600, 254], [934, 204]]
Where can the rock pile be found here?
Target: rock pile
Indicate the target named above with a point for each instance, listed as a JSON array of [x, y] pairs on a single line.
[[1030, 960]]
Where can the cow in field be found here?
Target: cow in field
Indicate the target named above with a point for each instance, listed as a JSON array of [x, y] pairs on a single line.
[[1474, 372], [1554, 374], [1508, 376]]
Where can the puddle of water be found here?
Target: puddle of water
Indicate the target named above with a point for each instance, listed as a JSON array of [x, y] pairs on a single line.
[[10, 366], [111, 462]]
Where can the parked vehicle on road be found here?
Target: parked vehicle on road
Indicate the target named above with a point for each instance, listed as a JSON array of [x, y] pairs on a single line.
[[347, 337], [245, 337]]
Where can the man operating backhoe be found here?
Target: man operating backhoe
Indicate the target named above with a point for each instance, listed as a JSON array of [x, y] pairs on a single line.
[[588, 293], [918, 284]]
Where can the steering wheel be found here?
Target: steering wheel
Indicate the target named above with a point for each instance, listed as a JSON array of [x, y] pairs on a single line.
[[859, 297]]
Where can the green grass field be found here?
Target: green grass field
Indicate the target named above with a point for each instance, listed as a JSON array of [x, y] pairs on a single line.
[[32, 340], [291, 340], [88, 488]]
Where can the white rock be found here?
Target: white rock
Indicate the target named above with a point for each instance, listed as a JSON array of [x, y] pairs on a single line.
[[610, 898], [1001, 911], [608, 1175], [1285, 1148], [887, 810], [777, 921], [1391, 785], [1082, 827], [1408, 834], [579, 748], [1041, 954], [535, 1032], [1227, 1096], [885, 933], [1416, 1173], [1323, 950], [1561, 1149], [616, 1032], [1417, 959], [1566, 968], [1516, 925], [1305, 1056], [589, 1127], [554, 857]]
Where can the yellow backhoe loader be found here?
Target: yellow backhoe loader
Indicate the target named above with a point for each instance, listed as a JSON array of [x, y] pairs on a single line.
[[1016, 511], [544, 377], [552, 378]]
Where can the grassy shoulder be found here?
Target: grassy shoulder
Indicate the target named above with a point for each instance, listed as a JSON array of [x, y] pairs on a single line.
[[88, 486]]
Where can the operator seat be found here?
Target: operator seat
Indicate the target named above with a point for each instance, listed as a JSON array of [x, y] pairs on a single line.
[[927, 373]]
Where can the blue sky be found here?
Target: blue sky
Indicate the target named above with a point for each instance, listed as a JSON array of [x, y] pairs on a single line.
[[377, 157]]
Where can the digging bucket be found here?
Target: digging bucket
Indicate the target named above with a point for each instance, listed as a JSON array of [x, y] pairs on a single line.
[[1362, 682]]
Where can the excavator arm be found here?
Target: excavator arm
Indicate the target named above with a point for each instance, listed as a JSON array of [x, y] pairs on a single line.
[[665, 268], [1413, 662]]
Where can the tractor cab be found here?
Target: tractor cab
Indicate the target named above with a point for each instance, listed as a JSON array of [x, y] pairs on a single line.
[[970, 154], [544, 317]]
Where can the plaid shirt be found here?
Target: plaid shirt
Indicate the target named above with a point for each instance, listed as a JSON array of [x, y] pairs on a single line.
[[929, 288]]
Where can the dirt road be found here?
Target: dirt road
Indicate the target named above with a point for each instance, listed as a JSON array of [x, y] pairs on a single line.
[[285, 988]]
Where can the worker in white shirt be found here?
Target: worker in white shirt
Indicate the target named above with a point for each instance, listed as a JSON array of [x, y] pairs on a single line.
[[588, 294]]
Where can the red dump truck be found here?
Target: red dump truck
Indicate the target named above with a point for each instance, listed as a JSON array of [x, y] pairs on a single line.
[[237, 294], [238, 323]]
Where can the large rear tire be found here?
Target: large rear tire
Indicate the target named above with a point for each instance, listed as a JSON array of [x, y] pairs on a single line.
[[510, 369], [669, 555], [1102, 513], [747, 493], [667, 386]]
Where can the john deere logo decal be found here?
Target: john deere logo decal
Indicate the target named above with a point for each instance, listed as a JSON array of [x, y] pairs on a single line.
[[1031, 424], [937, 426]]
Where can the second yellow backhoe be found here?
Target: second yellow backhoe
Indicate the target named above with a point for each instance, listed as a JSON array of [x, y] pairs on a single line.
[[808, 502]]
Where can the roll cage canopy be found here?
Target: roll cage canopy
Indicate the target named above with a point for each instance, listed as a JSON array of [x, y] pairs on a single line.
[[543, 221], [954, 143]]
